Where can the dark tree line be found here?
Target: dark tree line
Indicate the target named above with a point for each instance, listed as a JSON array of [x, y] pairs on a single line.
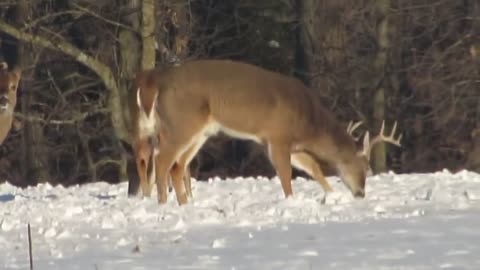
[[414, 61]]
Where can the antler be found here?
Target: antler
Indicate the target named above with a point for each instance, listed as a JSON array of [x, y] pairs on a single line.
[[351, 128], [369, 144]]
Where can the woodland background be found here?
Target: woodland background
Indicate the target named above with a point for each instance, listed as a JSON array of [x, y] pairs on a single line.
[[414, 61]]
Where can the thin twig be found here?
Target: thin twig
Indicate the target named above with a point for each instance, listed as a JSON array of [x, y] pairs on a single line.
[[77, 118], [100, 17], [30, 247]]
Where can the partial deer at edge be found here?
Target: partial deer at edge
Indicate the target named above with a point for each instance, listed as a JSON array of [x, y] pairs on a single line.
[[8, 98], [186, 104]]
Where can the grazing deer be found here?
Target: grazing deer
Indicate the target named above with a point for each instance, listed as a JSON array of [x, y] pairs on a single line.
[[146, 146], [8, 98], [145, 150], [198, 99]]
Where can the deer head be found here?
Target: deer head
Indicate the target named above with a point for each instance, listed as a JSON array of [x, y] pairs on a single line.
[[358, 167], [8, 88], [8, 97], [145, 125]]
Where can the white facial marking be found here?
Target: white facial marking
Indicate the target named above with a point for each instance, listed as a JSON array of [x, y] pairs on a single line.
[[152, 110], [139, 102], [146, 123], [241, 135]]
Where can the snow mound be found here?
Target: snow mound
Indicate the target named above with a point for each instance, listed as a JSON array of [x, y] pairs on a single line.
[[411, 221]]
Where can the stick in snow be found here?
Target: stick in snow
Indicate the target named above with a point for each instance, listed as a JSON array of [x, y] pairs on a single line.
[[30, 247]]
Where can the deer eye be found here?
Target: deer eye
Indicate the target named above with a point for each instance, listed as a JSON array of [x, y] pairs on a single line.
[[13, 87]]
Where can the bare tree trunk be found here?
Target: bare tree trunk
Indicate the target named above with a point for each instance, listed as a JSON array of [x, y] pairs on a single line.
[[34, 167], [182, 24], [130, 52], [304, 60], [473, 159], [135, 54], [321, 35], [130, 59], [379, 156], [148, 34]]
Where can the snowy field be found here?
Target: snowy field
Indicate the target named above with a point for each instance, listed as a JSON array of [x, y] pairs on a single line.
[[415, 221]]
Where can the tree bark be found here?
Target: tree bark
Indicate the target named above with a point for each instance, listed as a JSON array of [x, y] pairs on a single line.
[[148, 34], [34, 155], [322, 35], [379, 155], [305, 33], [181, 22], [473, 159], [137, 52]]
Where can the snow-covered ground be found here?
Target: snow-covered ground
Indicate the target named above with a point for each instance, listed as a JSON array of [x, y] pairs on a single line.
[[414, 221]]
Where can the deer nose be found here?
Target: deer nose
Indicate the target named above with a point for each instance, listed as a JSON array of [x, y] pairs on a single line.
[[360, 194]]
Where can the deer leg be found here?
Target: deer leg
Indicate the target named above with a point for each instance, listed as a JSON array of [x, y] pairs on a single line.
[[181, 172], [164, 162], [279, 154], [142, 169], [308, 164], [150, 172], [181, 149], [187, 158], [176, 176], [187, 181]]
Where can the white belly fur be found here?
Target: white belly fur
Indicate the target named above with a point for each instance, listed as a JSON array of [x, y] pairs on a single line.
[[299, 165], [214, 127]]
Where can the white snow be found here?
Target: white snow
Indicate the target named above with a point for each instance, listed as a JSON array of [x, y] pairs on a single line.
[[411, 221]]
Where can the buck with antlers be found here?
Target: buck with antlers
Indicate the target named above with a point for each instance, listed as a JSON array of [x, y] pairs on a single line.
[[8, 98], [185, 105]]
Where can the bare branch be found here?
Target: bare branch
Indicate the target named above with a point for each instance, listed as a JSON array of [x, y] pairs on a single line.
[[77, 118], [102, 70], [102, 18]]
